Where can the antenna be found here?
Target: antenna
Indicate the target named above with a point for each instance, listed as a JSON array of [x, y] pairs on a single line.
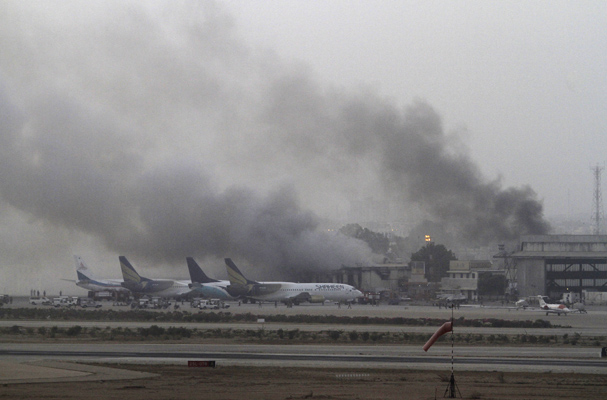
[[597, 212]]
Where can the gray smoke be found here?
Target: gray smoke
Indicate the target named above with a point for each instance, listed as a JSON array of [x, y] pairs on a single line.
[[451, 188], [161, 134]]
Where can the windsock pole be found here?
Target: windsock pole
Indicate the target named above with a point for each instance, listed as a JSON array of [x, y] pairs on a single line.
[[452, 389]]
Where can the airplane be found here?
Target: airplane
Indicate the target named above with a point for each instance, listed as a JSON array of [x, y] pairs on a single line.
[[557, 309], [155, 287], [207, 287], [87, 280], [287, 292]]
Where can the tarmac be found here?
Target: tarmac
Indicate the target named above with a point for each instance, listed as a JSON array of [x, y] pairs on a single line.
[[24, 372], [60, 371]]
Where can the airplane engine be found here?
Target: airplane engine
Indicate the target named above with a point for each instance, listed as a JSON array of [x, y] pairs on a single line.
[[132, 286], [316, 299], [237, 290]]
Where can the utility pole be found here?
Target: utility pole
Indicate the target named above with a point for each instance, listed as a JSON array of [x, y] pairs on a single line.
[[597, 214]]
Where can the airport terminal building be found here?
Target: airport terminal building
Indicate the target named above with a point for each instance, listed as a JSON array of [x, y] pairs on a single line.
[[550, 265], [553, 265]]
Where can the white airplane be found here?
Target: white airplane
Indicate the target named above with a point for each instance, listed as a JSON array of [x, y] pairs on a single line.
[[87, 280], [153, 287], [557, 309], [287, 292], [207, 287]]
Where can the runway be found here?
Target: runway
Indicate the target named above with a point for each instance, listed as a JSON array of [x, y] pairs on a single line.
[[565, 359], [581, 360]]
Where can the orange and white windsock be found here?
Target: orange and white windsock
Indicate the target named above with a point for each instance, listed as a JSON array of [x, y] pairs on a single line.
[[446, 327]]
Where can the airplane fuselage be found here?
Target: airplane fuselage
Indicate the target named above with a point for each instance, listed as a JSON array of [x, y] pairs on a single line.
[[160, 287], [289, 291], [214, 290], [102, 285]]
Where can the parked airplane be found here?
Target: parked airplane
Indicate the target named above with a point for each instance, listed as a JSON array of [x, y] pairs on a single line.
[[207, 287], [156, 287], [287, 292], [87, 280], [553, 308]]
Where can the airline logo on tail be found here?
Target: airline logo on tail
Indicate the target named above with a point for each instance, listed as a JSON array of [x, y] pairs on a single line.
[[235, 276], [239, 284], [132, 280], [88, 281], [197, 275], [128, 272], [83, 273]]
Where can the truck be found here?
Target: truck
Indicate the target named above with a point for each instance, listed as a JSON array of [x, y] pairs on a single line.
[[212, 304], [60, 301], [158, 303], [142, 302], [86, 302]]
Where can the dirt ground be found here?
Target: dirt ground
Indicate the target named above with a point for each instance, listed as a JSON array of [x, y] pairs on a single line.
[[182, 382]]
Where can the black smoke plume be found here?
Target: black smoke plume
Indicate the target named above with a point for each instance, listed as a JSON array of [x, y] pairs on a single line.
[[163, 135]]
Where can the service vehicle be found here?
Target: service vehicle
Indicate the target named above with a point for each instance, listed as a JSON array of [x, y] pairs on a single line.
[[212, 304], [40, 301]]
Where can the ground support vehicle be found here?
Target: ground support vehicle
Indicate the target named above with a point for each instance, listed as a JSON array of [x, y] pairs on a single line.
[[212, 304], [39, 301], [86, 302]]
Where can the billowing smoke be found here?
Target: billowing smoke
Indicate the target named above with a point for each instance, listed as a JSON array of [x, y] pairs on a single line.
[[161, 134], [450, 187], [413, 164], [161, 213]]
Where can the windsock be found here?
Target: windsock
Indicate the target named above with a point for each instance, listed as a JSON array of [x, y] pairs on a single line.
[[446, 327]]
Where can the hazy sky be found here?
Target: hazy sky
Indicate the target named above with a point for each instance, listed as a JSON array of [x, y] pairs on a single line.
[[160, 130], [521, 82]]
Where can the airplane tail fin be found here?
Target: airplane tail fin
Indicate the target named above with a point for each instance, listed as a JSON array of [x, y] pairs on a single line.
[[235, 276], [542, 301], [82, 271], [128, 272], [196, 273]]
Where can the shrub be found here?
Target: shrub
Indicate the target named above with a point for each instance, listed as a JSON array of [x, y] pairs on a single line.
[[74, 330]]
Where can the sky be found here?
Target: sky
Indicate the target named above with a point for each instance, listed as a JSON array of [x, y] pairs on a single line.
[[165, 129]]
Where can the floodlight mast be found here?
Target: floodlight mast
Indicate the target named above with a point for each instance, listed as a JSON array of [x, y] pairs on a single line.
[[597, 214]]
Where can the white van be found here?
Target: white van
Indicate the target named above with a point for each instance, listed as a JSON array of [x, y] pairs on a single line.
[[40, 301]]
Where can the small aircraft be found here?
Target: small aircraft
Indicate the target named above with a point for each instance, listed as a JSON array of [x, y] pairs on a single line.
[[87, 280], [207, 287], [557, 309], [548, 308], [156, 287], [287, 292]]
